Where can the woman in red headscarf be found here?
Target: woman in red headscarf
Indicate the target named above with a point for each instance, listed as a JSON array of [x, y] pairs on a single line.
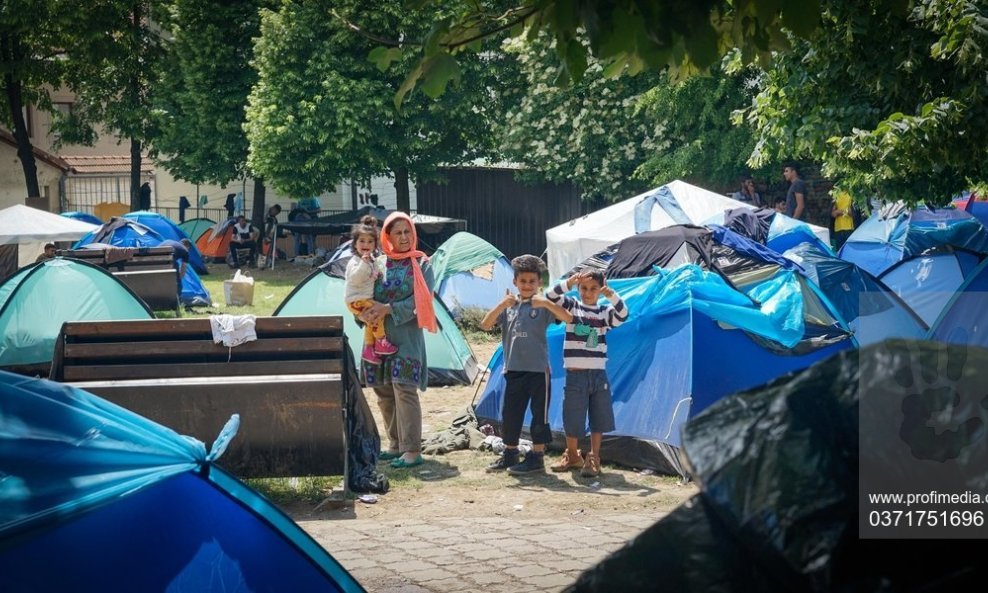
[[403, 298]]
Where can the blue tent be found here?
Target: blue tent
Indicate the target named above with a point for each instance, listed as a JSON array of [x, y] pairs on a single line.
[[470, 273], [693, 337], [97, 498], [122, 232], [169, 230], [965, 318], [871, 310], [83, 216], [924, 255]]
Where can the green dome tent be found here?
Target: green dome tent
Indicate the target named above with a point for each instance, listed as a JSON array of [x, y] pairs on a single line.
[[449, 357], [37, 300], [196, 227]]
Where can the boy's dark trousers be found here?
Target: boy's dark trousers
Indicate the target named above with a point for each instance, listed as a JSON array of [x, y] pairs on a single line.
[[525, 389]]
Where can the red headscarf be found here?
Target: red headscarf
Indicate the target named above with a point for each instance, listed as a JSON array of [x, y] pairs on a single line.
[[423, 296]]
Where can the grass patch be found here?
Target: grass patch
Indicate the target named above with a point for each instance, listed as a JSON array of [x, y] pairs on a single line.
[[271, 288], [292, 490]]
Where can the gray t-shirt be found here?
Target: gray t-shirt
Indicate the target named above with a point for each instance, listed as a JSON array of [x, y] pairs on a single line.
[[797, 187], [523, 337]]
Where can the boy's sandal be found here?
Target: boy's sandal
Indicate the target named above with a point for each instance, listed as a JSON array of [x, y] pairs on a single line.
[[401, 463]]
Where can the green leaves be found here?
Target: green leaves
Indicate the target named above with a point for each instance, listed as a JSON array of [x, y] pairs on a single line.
[[384, 56], [801, 17]]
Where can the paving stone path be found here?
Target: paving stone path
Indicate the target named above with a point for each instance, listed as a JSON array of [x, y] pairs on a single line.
[[489, 554]]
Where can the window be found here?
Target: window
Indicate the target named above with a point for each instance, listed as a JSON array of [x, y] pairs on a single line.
[[65, 109]]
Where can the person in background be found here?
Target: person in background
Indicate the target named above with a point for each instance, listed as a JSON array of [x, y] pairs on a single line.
[[844, 217], [180, 254], [358, 288], [244, 237], [230, 204], [747, 193], [302, 245], [48, 253], [523, 320], [780, 205], [796, 196], [403, 300]]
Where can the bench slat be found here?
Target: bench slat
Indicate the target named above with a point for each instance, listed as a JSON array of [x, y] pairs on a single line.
[[125, 372], [184, 349]]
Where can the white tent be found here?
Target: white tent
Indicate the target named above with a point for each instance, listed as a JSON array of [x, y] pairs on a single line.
[[29, 229], [676, 202]]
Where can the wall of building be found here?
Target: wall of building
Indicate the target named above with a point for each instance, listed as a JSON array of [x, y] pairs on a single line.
[[13, 190]]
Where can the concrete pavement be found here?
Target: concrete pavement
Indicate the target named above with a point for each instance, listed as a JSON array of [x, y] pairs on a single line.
[[490, 554]]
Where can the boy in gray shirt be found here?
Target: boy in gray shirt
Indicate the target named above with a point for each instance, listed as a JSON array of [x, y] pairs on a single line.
[[523, 320]]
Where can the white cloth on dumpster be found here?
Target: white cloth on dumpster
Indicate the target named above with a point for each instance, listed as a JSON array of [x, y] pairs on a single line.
[[233, 330]]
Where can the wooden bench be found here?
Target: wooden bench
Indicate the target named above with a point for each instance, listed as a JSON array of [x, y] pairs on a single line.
[[149, 272], [289, 386]]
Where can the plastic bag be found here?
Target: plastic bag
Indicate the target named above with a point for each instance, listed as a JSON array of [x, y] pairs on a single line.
[[240, 290]]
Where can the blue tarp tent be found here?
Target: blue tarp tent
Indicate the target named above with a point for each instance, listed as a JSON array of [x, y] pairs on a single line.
[[692, 337], [169, 230], [924, 255], [35, 302], [871, 310], [965, 318], [97, 498], [470, 273], [83, 216], [770, 228], [123, 232]]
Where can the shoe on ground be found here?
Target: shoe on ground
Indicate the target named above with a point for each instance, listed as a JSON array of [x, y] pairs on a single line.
[[534, 462], [591, 467], [388, 455], [568, 461], [503, 462], [384, 347], [369, 355]]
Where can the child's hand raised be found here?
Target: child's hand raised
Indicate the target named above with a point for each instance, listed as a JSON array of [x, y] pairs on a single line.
[[538, 301], [509, 299], [574, 280], [607, 291]]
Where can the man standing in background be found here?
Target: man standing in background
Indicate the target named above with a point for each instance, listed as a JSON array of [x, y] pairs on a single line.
[[796, 196]]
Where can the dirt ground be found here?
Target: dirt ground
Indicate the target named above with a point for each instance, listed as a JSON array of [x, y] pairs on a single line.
[[455, 485]]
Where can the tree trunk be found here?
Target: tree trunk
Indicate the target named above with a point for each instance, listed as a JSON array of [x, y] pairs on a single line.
[[353, 193], [135, 174], [25, 152], [401, 190], [258, 209]]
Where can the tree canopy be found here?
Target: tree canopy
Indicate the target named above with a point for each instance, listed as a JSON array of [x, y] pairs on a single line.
[[322, 112], [891, 102]]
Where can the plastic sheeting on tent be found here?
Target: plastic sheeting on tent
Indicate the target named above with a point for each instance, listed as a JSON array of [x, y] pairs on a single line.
[[924, 255], [448, 355], [123, 232], [690, 340], [84, 217], [779, 507], [965, 318], [36, 301], [871, 310], [165, 227], [770, 228], [97, 498], [195, 227], [677, 202], [470, 273]]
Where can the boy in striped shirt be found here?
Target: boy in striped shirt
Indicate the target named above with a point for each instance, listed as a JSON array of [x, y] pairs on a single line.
[[587, 391]]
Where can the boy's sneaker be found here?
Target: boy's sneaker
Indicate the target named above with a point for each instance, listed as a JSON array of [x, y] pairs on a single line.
[[568, 461], [591, 468], [384, 347], [507, 459], [534, 462], [369, 355]]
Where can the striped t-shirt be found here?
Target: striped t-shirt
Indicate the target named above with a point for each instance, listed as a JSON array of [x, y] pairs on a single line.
[[585, 345]]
